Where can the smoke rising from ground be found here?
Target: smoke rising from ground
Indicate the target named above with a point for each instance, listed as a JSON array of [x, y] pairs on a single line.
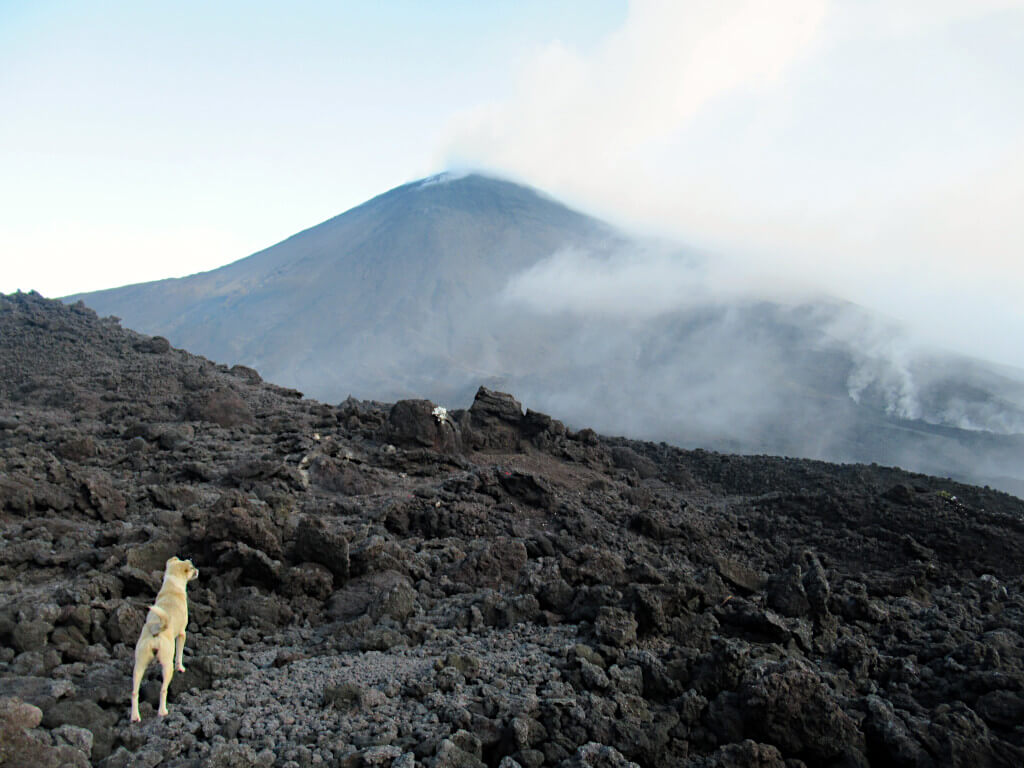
[[642, 280], [702, 348]]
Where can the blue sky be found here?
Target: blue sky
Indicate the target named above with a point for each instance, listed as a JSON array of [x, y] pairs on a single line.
[[871, 149], [141, 140]]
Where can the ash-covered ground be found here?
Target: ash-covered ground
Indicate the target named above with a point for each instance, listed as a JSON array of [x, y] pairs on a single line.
[[383, 586]]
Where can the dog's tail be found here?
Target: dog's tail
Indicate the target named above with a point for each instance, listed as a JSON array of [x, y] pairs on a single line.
[[162, 619]]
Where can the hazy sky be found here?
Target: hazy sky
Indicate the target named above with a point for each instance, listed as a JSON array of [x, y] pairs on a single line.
[[874, 148]]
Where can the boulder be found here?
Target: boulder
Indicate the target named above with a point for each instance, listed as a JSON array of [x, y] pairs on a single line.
[[527, 488], [418, 424], [615, 627], [31, 635], [740, 576], [495, 419], [816, 585], [101, 499], [344, 696], [78, 448], [786, 593], [461, 750], [787, 704], [245, 373], [628, 459], [153, 555], [595, 755], [172, 436], [323, 542], [491, 407], [398, 602], [888, 734], [41, 692], [155, 345], [310, 579], [87, 715], [18, 714], [745, 754], [341, 476], [221, 406], [233, 523], [16, 494], [384, 590], [75, 737], [494, 565], [1001, 709], [256, 566], [19, 748], [248, 605]]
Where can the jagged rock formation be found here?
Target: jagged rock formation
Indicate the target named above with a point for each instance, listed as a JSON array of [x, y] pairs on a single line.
[[386, 586]]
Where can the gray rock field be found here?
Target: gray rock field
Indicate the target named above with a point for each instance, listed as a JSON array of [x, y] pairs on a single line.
[[381, 585]]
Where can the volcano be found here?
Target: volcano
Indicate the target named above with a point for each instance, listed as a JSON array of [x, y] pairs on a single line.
[[454, 281]]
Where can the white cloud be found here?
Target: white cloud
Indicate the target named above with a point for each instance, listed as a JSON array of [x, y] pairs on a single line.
[[574, 112], [884, 17], [640, 281], [869, 148]]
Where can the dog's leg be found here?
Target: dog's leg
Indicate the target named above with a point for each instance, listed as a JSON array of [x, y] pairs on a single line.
[[166, 657], [137, 675], [179, 648]]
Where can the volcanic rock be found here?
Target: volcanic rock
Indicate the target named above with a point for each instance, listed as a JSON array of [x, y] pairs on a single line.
[[222, 406], [417, 423], [528, 595]]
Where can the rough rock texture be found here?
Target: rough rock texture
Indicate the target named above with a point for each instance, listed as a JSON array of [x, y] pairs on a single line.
[[383, 587]]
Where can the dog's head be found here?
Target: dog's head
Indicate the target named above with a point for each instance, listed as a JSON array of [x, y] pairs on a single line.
[[182, 569]]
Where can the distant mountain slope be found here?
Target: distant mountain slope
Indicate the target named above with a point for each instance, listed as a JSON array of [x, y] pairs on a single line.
[[443, 284], [340, 307]]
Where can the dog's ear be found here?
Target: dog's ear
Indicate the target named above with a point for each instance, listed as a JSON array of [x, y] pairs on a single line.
[[171, 561]]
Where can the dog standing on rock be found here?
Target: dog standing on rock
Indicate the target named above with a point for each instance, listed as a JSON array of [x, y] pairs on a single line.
[[163, 635]]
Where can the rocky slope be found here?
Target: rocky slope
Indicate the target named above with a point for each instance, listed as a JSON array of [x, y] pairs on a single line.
[[380, 586]]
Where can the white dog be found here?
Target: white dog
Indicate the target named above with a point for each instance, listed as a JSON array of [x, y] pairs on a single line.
[[163, 635]]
